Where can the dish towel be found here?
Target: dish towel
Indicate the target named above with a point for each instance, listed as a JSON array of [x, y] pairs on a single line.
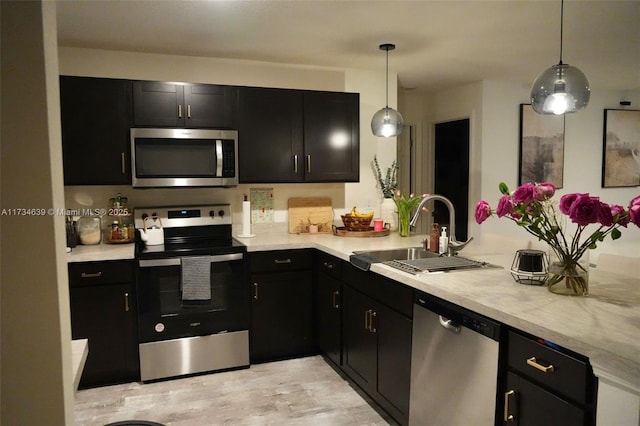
[[196, 279]]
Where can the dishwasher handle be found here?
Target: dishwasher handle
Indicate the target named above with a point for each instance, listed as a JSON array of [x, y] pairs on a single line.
[[449, 324]]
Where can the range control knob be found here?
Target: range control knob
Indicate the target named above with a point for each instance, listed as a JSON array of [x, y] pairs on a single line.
[[144, 216], [221, 213], [212, 213]]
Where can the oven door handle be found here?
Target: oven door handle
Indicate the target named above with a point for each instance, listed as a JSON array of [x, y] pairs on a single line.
[[175, 261]]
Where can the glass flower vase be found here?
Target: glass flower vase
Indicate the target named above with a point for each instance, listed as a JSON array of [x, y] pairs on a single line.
[[567, 275], [404, 217]]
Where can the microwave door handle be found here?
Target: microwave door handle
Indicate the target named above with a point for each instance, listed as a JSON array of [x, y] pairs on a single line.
[[218, 158], [175, 261]]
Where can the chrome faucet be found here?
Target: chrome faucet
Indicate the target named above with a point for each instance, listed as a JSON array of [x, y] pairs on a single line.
[[454, 245]]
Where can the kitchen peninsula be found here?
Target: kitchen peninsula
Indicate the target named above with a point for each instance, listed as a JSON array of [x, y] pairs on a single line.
[[602, 326]]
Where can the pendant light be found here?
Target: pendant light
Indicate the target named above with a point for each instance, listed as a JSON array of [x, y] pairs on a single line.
[[387, 122], [561, 89]]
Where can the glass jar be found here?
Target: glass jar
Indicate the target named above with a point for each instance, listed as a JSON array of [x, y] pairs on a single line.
[[89, 230]]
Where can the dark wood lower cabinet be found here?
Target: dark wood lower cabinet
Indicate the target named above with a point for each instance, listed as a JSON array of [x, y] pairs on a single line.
[[530, 405], [104, 312], [328, 306], [377, 351], [281, 315]]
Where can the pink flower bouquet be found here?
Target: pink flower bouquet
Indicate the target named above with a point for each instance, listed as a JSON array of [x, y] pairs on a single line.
[[530, 206]]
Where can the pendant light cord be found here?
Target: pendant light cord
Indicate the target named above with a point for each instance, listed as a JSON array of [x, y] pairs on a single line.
[[387, 79], [561, 27]]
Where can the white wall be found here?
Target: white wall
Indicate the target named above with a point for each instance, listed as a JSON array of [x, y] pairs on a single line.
[[583, 156], [36, 381], [370, 85]]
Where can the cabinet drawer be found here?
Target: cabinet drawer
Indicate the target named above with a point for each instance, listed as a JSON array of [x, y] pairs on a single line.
[[330, 265], [281, 260], [97, 273], [388, 292], [565, 374]]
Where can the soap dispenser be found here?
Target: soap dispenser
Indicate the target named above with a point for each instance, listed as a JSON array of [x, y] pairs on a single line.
[[444, 241], [434, 238]]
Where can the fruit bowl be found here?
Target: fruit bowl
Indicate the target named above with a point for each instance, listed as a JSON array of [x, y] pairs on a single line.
[[357, 223]]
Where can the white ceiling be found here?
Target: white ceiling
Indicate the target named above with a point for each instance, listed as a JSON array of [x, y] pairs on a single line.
[[440, 44]]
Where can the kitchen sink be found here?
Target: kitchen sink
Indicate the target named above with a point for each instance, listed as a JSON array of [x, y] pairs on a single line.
[[416, 260], [407, 253]]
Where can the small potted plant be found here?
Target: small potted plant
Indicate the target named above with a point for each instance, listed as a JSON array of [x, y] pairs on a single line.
[[388, 185]]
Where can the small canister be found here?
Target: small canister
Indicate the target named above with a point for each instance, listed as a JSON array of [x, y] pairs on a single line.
[[89, 230]]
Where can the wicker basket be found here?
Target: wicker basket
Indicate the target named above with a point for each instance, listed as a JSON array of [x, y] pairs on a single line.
[[357, 223]]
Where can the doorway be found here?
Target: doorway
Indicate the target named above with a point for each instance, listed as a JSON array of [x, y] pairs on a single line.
[[451, 174]]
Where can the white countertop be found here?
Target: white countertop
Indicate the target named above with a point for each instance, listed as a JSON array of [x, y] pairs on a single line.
[[98, 252], [604, 326], [79, 352]]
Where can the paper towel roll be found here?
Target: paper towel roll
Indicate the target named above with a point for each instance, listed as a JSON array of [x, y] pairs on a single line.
[[246, 219]]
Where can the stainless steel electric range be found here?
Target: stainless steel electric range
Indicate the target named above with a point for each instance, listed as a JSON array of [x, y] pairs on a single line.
[[192, 292]]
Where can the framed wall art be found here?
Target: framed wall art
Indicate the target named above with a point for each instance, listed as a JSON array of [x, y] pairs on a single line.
[[621, 148], [541, 147]]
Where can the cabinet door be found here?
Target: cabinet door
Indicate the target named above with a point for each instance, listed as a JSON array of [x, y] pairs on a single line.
[[270, 135], [394, 362], [331, 137], [360, 342], [96, 117], [328, 316], [281, 316], [106, 316], [158, 104], [208, 105], [532, 405]]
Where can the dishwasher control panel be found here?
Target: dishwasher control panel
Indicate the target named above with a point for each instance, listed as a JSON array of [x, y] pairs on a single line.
[[458, 315]]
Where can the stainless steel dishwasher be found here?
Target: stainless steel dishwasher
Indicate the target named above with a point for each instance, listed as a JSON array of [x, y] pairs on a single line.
[[454, 365]]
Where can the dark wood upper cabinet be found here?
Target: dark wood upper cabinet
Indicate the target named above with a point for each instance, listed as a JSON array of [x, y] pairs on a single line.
[[298, 136], [96, 118], [331, 137], [165, 104], [270, 135]]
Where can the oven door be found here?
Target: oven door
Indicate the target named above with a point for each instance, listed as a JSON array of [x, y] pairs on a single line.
[[164, 312]]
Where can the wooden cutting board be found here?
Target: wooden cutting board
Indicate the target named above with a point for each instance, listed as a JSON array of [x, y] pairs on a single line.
[[304, 211]]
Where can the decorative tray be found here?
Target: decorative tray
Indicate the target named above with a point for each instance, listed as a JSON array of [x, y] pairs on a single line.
[[343, 232]]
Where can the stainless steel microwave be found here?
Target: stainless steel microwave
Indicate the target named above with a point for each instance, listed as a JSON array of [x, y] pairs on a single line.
[[183, 157]]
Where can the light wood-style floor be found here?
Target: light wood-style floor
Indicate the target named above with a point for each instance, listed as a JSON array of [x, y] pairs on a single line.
[[304, 391]]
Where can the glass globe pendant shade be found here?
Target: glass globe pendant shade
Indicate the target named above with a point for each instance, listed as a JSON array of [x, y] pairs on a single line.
[[387, 123], [561, 89]]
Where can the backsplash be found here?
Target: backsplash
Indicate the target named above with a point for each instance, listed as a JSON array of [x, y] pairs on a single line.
[[97, 197]]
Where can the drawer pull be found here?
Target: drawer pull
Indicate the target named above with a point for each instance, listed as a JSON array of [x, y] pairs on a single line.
[[545, 369], [255, 291], [91, 275], [508, 417], [328, 265], [282, 261], [126, 302]]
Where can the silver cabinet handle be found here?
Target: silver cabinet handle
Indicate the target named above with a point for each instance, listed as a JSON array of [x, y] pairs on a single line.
[[308, 163], [372, 327], [255, 291], [91, 275], [282, 261], [508, 417], [295, 163], [179, 111], [544, 368], [336, 295], [123, 163], [126, 302], [188, 111], [328, 265]]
